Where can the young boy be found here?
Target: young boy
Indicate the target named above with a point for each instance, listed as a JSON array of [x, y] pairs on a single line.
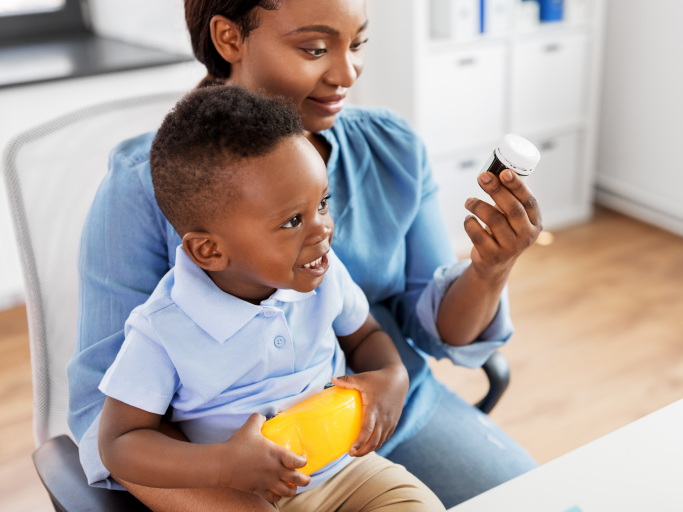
[[257, 315]]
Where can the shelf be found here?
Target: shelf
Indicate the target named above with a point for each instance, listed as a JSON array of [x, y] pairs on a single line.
[[562, 28], [67, 56]]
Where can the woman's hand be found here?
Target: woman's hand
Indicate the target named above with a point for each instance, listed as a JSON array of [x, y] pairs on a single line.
[[252, 463], [383, 393], [512, 227]]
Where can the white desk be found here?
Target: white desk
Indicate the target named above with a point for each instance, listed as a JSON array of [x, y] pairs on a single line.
[[638, 468]]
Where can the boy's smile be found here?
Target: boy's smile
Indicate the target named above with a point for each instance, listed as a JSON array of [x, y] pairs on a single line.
[[276, 231], [317, 267]]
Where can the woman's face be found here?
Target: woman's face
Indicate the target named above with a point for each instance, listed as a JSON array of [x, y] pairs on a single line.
[[307, 50]]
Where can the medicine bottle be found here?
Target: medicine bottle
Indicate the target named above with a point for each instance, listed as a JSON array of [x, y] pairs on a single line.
[[515, 153]]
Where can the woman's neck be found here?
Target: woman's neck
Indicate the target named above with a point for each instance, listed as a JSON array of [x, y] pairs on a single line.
[[320, 144]]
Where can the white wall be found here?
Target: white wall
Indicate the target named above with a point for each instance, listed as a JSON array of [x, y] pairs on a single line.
[[22, 108], [155, 23], [640, 170]]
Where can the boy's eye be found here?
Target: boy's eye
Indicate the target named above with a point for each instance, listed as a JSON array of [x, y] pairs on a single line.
[[359, 45], [293, 222], [324, 203]]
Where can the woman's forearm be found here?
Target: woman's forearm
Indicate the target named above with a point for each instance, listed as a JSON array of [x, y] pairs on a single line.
[[149, 458], [469, 306]]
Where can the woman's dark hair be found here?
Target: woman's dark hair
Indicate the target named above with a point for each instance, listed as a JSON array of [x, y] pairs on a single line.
[[198, 14]]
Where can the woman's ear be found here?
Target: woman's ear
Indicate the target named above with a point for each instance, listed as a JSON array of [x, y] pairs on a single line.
[[227, 38], [205, 250]]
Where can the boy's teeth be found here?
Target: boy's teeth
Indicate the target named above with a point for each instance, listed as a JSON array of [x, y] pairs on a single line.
[[314, 263]]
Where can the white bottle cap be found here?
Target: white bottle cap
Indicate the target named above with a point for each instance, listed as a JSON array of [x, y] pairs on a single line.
[[521, 154]]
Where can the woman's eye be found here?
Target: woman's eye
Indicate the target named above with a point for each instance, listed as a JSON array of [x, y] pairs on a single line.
[[324, 203], [316, 52], [358, 46], [293, 222]]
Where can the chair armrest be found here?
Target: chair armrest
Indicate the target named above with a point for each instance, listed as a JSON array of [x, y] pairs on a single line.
[[497, 370], [62, 475]]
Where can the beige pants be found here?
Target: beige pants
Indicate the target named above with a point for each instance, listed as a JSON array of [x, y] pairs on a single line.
[[366, 484]]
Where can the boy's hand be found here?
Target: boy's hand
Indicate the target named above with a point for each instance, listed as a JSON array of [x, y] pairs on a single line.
[[383, 393], [252, 463]]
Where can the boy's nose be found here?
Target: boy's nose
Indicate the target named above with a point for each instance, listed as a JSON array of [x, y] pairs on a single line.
[[320, 232]]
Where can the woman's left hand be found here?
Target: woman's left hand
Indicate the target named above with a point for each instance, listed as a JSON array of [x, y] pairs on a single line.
[[512, 227]]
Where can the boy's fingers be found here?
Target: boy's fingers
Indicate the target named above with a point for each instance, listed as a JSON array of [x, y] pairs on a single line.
[[345, 381], [391, 432], [366, 429], [296, 478], [255, 421], [372, 444], [291, 460], [268, 496], [283, 489]]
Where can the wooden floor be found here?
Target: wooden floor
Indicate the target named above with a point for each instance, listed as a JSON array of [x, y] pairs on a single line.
[[599, 315]]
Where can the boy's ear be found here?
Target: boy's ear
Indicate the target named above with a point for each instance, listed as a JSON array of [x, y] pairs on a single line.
[[227, 38], [205, 250]]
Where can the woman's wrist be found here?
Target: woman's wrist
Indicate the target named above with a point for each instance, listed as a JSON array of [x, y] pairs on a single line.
[[469, 305]]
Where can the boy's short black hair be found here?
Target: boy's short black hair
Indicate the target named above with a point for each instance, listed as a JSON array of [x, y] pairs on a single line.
[[202, 141]]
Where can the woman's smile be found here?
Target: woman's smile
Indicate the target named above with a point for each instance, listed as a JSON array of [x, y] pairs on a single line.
[[327, 105]]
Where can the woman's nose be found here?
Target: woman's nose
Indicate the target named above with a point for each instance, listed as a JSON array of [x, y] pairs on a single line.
[[344, 70]]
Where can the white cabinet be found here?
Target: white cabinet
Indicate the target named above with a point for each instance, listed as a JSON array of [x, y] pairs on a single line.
[[462, 101], [457, 180], [541, 82], [548, 81], [555, 182]]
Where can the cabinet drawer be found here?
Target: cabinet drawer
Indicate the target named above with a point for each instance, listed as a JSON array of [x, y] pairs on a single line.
[[555, 180], [548, 82], [457, 180], [463, 98]]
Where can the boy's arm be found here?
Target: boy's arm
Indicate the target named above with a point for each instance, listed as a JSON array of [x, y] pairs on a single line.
[[132, 449], [382, 380]]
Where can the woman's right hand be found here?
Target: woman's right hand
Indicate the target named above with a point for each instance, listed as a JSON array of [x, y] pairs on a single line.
[[252, 463]]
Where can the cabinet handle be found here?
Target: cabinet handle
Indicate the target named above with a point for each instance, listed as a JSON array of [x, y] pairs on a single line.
[[467, 164], [552, 48], [466, 61], [548, 145]]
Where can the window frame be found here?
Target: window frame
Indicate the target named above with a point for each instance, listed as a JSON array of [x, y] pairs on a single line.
[[38, 25]]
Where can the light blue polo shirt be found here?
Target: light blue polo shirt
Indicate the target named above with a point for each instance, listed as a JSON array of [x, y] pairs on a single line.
[[216, 359]]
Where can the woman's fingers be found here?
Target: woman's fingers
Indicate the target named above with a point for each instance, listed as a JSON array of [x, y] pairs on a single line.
[[514, 199], [494, 219], [483, 242]]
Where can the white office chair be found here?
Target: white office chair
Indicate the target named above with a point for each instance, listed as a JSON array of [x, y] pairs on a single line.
[[52, 173]]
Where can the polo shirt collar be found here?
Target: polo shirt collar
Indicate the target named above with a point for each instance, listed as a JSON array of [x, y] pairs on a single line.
[[218, 313], [282, 295]]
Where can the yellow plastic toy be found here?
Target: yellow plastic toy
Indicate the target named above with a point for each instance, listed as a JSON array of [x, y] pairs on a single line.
[[323, 426]]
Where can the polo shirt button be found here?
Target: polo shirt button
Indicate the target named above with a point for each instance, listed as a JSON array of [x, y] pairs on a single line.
[[279, 341], [268, 313]]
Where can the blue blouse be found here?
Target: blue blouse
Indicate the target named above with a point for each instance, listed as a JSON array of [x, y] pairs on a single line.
[[389, 233]]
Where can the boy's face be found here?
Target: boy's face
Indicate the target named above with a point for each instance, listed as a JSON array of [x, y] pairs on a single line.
[[278, 230]]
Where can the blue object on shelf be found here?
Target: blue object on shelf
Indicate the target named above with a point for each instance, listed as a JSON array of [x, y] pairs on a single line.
[[482, 16], [551, 10]]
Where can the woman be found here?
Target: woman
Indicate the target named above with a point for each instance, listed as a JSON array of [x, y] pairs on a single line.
[[388, 233]]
